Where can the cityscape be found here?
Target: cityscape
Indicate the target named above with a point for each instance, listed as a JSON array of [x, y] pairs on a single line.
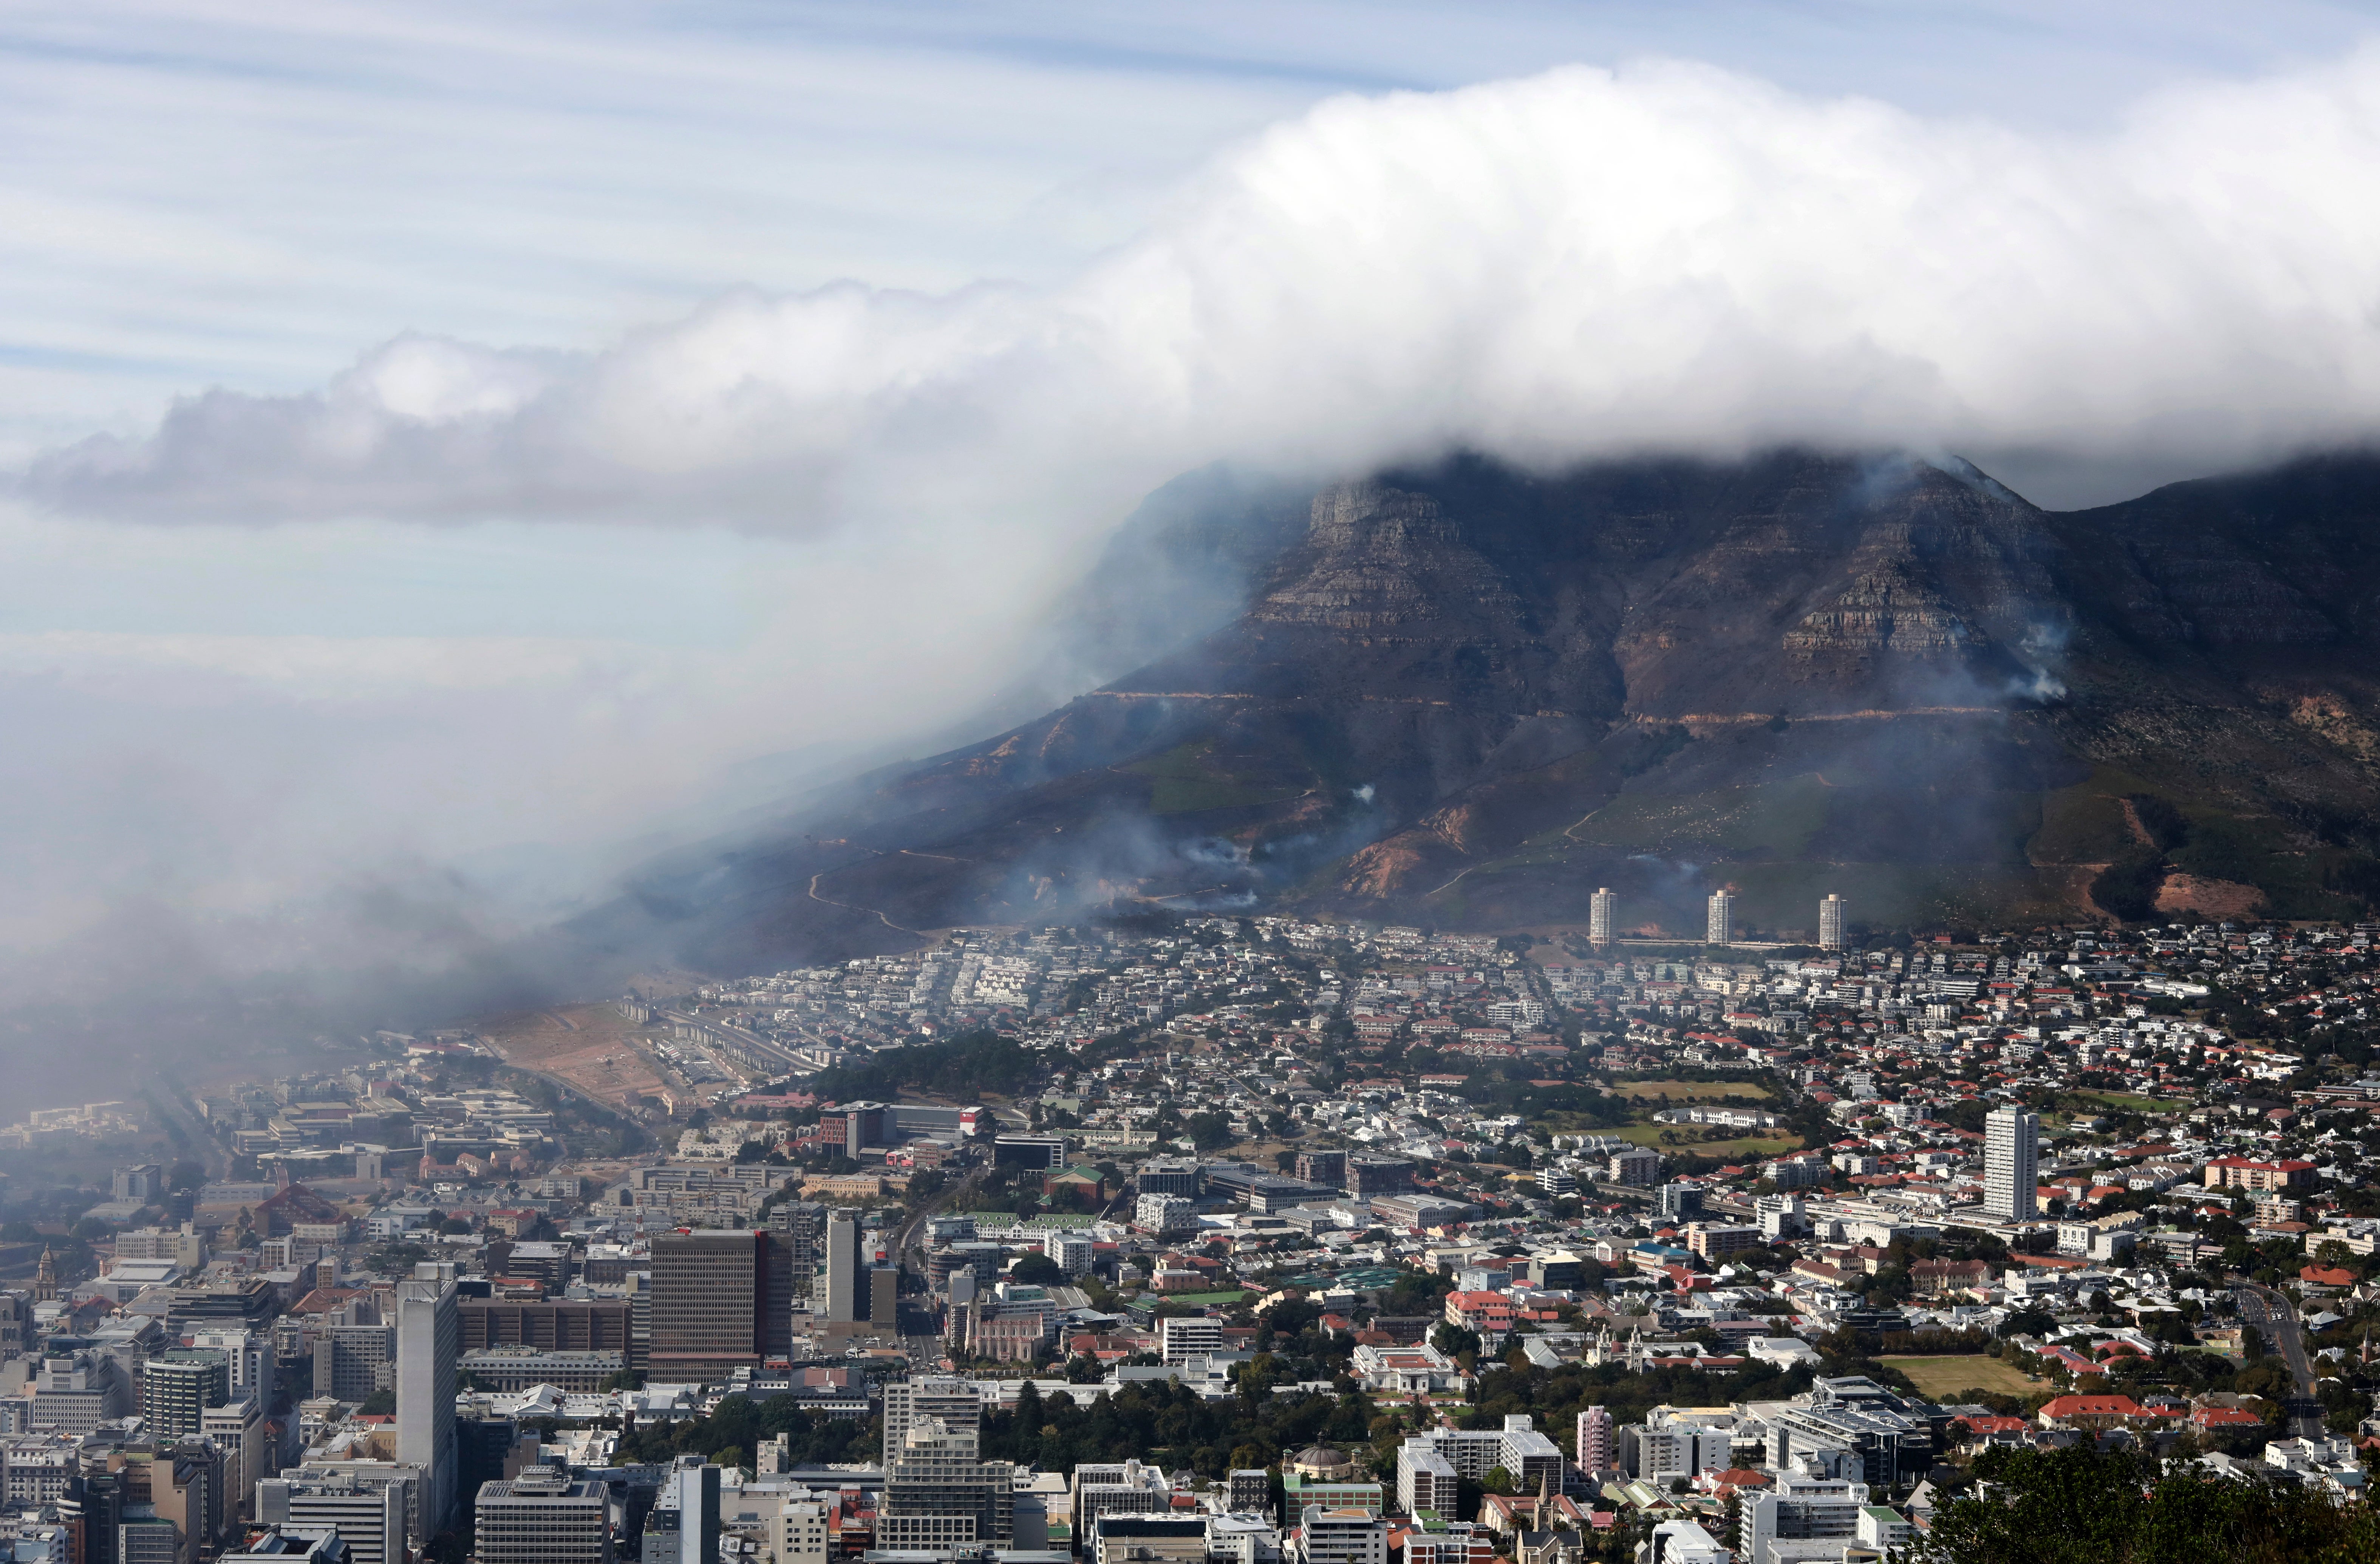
[[1354, 1243]]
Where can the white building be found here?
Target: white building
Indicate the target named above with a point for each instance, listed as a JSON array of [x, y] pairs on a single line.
[[1181, 1338], [2012, 1164], [1830, 922], [1341, 1536], [1602, 916], [1719, 924]]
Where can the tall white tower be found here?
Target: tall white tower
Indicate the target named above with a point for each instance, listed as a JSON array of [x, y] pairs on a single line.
[[2012, 1164], [1602, 912], [1830, 922], [1718, 927]]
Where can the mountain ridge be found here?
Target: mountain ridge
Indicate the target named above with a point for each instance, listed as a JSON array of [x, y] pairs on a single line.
[[1468, 695]]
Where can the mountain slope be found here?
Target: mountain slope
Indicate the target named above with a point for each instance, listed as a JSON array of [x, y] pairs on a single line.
[[1470, 695]]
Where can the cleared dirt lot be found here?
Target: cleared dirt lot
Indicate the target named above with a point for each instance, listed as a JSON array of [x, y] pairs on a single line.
[[592, 1047]]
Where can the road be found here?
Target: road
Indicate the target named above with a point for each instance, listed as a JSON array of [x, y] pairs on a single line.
[[2275, 1315], [169, 1101]]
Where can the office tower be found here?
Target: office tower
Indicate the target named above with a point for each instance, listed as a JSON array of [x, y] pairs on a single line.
[[1680, 1201], [244, 1434], [372, 1518], [1719, 922], [684, 1526], [2012, 1164], [428, 1343], [938, 1493], [953, 1401], [541, 1517], [143, 1183], [719, 1304], [177, 1386], [801, 1225], [1597, 1449], [1830, 922], [884, 1295], [1072, 1251], [1251, 1490], [350, 1360], [842, 1299], [1602, 916]]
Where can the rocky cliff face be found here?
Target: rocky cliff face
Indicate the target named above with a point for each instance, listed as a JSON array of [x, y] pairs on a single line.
[[1470, 695]]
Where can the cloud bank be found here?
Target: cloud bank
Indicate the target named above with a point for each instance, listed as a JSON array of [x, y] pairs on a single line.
[[1581, 264]]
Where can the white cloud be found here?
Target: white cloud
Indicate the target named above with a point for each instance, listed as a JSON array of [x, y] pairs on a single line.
[[1579, 263]]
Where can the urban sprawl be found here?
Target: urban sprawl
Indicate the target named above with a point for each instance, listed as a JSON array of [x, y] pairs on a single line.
[[1228, 1239]]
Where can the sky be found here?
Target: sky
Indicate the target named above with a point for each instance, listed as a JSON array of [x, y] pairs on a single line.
[[454, 446]]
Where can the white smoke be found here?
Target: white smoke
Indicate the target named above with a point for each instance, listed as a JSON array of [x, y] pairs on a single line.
[[1586, 261]]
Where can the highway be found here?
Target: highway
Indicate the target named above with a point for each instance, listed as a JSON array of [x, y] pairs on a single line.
[[2274, 1315]]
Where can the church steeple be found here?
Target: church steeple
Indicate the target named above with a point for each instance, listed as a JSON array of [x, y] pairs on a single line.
[[45, 1279]]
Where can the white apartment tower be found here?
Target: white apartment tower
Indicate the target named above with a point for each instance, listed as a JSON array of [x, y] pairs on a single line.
[[1718, 927], [1602, 914], [2011, 1163], [1830, 922]]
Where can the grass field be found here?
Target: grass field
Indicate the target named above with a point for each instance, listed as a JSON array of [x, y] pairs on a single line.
[[1670, 1090], [2122, 1101], [1942, 1378], [1741, 1146]]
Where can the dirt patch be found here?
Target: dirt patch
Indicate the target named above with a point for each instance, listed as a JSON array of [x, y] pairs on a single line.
[[592, 1047], [2217, 899]]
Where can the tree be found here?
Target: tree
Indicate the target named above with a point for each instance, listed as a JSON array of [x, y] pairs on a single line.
[[1037, 1270], [1498, 1481], [2080, 1507]]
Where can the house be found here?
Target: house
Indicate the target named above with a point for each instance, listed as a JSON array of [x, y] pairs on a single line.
[[2090, 1412]]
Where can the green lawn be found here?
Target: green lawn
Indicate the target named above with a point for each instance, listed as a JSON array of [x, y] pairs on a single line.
[[1738, 1147]]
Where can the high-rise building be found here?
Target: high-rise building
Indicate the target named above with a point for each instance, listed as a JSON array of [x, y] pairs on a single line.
[[684, 1526], [719, 1304], [541, 1517], [1602, 916], [428, 1344], [1830, 922], [178, 1385], [801, 1226], [1719, 922], [2012, 1164], [371, 1518], [843, 1295], [939, 1492], [1598, 1450], [242, 1432]]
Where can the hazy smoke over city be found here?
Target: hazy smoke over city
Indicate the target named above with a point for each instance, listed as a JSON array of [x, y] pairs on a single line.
[[1582, 264]]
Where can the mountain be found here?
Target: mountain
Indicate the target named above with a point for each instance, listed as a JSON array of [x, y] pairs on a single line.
[[1467, 696]]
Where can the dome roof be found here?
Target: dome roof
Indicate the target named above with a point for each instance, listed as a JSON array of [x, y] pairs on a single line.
[[1321, 1456]]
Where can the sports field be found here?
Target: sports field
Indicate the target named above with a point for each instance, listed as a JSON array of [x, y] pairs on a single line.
[[1672, 1090], [1944, 1377]]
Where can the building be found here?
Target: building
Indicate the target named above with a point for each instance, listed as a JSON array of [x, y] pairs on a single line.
[[1148, 1539], [842, 1300], [939, 1491], [1679, 1203], [428, 1336], [295, 1546], [561, 1324], [242, 1432], [1040, 1153], [371, 1518], [1716, 1240], [178, 1385], [1322, 1168], [1830, 922], [1163, 1176], [1597, 1449], [353, 1361], [1602, 916], [1718, 919], [1369, 1176], [684, 1526], [1183, 1337], [1250, 1490], [1163, 1214], [2240, 1173], [721, 1302], [1341, 1536], [1124, 1487], [2012, 1164], [1070, 1251], [144, 1183], [1799, 1508], [508, 1370], [1430, 1463], [541, 1517], [1638, 1165]]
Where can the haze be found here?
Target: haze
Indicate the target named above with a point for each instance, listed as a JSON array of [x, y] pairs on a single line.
[[453, 458]]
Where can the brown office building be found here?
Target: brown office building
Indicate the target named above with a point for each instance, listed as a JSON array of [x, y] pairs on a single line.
[[556, 1324], [723, 1300]]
